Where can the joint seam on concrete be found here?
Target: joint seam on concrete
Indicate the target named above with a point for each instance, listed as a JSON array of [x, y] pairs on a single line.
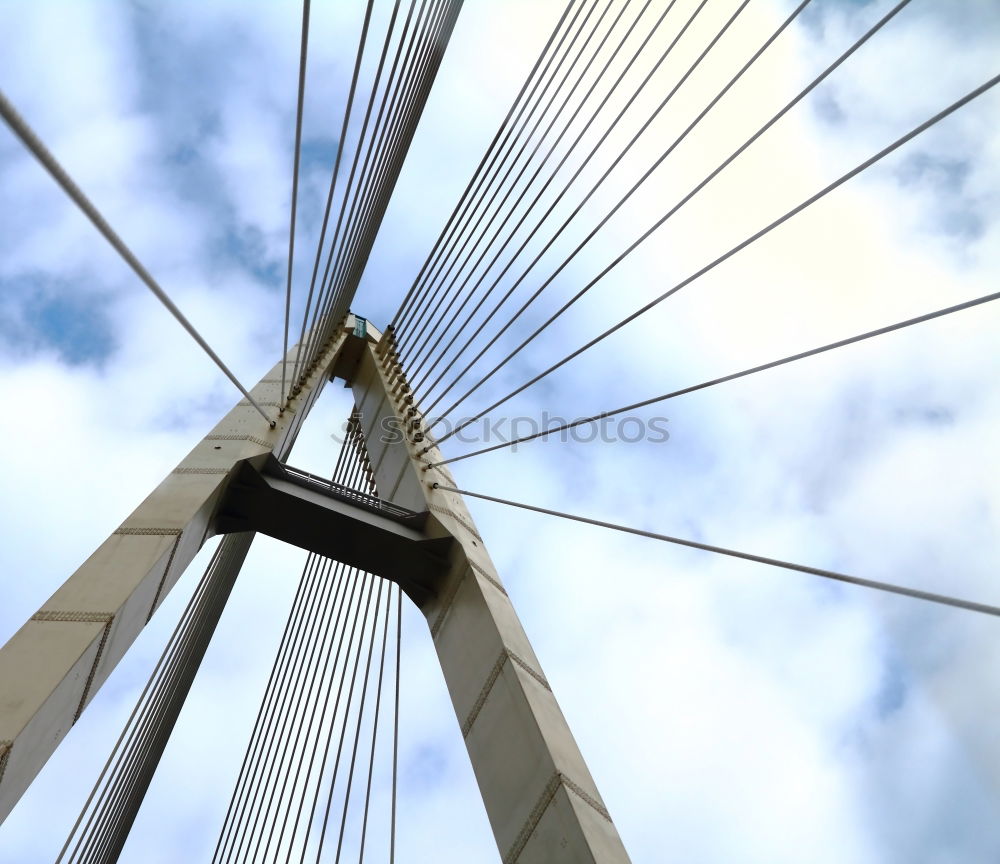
[[93, 669], [468, 527], [163, 578], [491, 679], [534, 673], [446, 606], [105, 618], [534, 817], [585, 797], [488, 577], [5, 748], [548, 793], [200, 471], [148, 532], [252, 439], [72, 617], [82, 618]]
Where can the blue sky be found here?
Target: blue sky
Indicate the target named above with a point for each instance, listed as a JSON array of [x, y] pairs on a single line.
[[728, 711]]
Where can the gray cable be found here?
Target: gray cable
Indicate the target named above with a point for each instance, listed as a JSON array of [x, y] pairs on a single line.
[[427, 316], [704, 182], [554, 236], [378, 705], [746, 556], [930, 316], [30, 140], [413, 298], [899, 142], [335, 173], [395, 725], [361, 714], [295, 190], [529, 211]]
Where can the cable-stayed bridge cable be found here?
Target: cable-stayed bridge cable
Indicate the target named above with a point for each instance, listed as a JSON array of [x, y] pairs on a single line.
[[882, 22], [369, 187], [322, 305], [347, 710], [887, 587], [579, 207], [102, 828], [579, 170], [415, 362], [262, 715], [375, 207], [334, 174], [411, 299], [307, 702], [426, 315], [303, 51], [395, 725], [478, 192], [34, 144], [305, 609], [353, 238], [361, 714], [899, 142], [312, 701], [347, 273], [378, 705], [909, 322]]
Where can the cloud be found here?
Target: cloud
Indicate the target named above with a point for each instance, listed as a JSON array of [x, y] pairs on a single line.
[[727, 710]]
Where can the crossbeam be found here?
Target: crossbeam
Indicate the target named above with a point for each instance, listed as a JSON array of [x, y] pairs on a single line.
[[321, 517]]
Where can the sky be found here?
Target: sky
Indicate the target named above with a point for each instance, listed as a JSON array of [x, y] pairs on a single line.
[[728, 711]]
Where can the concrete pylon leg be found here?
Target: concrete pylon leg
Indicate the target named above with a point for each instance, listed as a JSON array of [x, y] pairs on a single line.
[[51, 668], [541, 800]]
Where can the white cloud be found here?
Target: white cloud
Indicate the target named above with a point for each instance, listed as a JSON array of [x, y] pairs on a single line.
[[727, 710]]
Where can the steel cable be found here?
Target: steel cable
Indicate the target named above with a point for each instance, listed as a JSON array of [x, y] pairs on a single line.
[[485, 165], [515, 134], [350, 698], [34, 144], [637, 185], [118, 793], [332, 616], [579, 170], [295, 188], [367, 228], [329, 198], [645, 403], [361, 714], [346, 276], [378, 705], [426, 316], [370, 186], [733, 251], [579, 207], [321, 304], [942, 599], [415, 356]]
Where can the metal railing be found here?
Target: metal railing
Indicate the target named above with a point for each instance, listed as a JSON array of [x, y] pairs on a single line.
[[349, 495]]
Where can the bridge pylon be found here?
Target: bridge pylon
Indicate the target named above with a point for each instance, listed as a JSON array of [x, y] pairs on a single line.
[[541, 800]]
